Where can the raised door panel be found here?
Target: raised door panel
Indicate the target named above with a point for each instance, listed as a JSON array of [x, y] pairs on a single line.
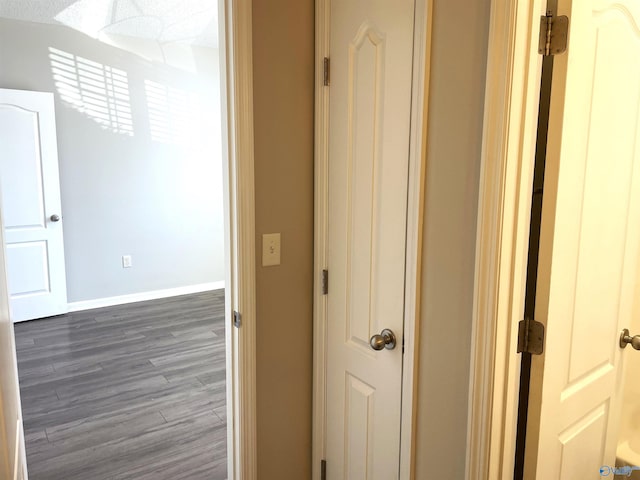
[[28, 269], [22, 189], [359, 428], [365, 57]]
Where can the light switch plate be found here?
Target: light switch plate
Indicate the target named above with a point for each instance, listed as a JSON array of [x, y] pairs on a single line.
[[270, 249]]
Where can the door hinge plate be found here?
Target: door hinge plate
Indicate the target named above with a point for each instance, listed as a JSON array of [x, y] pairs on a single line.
[[325, 282], [530, 337], [554, 31], [237, 319], [323, 470], [326, 65]]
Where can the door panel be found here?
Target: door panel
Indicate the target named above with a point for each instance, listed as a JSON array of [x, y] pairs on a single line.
[[27, 267], [363, 170], [358, 426], [370, 101], [23, 185], [590, 240], [31, 194]]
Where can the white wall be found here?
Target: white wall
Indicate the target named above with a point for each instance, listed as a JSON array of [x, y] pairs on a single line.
[[456, 104], [144, 181]]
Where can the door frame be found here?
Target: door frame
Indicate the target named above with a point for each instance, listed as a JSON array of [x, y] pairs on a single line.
[[236, 75], [506, 180], [415, 209]]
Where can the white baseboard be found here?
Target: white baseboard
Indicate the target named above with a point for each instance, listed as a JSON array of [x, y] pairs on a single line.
[[143, 296]]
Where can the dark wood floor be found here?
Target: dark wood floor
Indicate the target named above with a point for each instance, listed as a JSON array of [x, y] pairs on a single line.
[[129, 392]]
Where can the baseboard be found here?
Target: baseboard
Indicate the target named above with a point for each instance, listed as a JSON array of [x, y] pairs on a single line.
[[143, 296]]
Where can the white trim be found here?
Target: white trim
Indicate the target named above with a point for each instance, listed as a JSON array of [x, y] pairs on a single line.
[[415, 218], [321, 207], [422, 50], [4, 451], [17, 446], [142, 296], [237, 119], [506, 179], [20, 464]]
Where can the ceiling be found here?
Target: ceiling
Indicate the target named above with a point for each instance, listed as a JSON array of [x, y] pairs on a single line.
[[192, 22]]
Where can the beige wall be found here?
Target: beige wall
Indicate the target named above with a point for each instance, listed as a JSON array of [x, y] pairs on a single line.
[[283, 66], [460, 32]]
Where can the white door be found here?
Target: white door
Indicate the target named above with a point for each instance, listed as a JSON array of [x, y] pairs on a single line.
[[31, 203], [370, 102], [590, 241]]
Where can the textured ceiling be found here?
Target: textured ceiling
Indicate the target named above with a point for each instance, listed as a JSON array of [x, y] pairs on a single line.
[[166, 21]]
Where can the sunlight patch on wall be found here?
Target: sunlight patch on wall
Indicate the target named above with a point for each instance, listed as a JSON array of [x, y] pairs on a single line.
[[172, 114], [99, 91]]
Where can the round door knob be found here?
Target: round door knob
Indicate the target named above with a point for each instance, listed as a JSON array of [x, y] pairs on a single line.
[[386, 339], [54, 218], [626, 339]]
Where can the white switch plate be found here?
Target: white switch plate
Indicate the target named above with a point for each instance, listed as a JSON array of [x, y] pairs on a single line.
[[126, 261], [270, 249]]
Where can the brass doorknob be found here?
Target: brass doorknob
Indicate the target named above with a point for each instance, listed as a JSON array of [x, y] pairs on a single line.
[[386, 339], [626, 339]]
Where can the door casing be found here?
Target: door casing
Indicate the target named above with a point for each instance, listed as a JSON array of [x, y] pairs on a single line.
[[506, 178], [415, 209], [236, 81]]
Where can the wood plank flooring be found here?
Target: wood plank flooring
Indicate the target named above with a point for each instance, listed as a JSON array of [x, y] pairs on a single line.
[[128, 392]]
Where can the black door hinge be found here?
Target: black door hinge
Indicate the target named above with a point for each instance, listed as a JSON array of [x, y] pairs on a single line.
[[553, 34], [530, 337], [325, 282], [326, 65], [323, 470]]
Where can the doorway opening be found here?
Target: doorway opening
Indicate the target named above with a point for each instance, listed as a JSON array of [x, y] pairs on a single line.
[[580, 407], [365, 359], [112, 111]]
